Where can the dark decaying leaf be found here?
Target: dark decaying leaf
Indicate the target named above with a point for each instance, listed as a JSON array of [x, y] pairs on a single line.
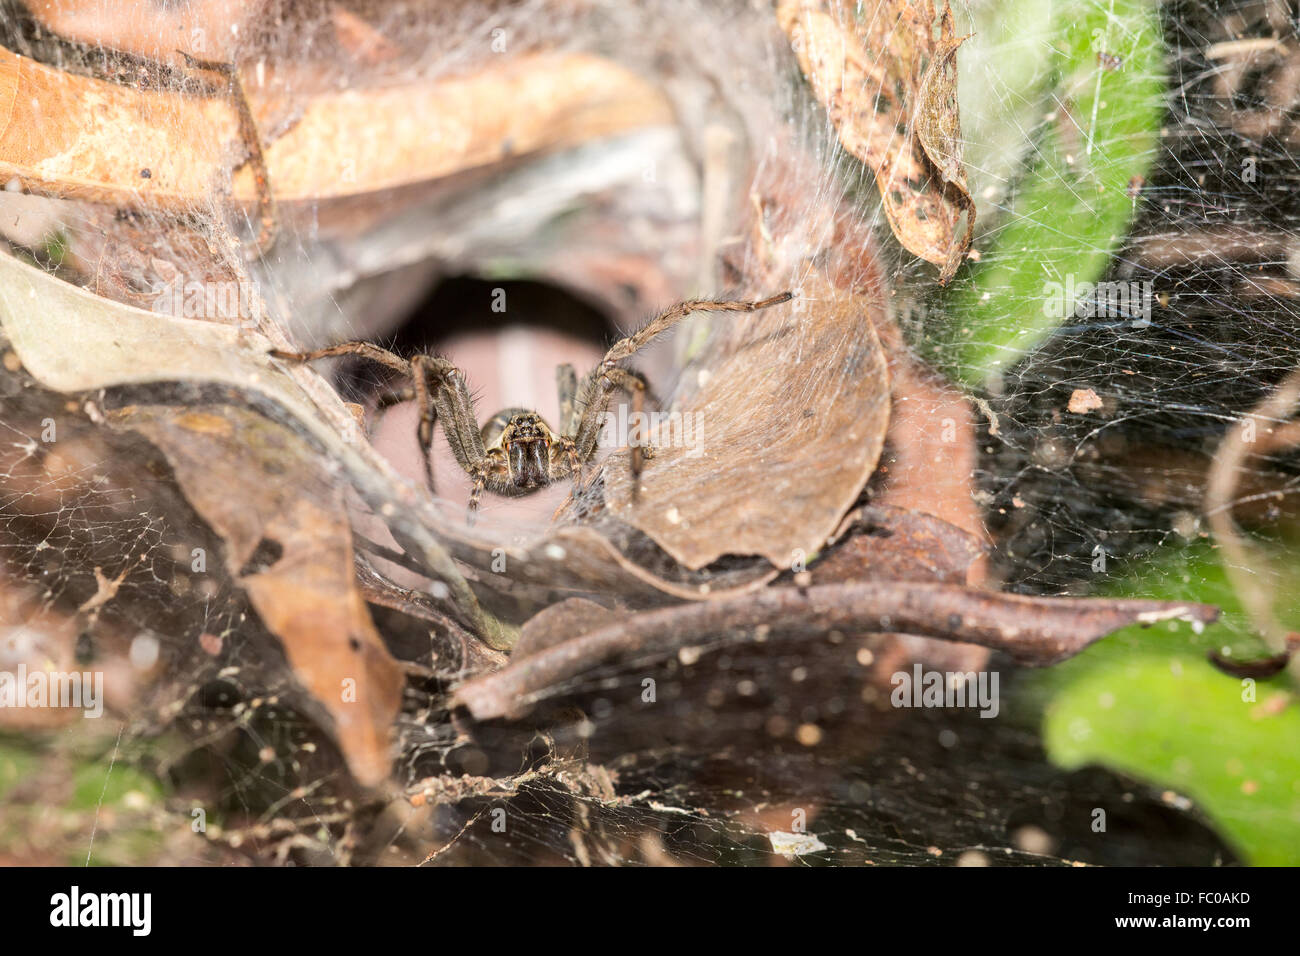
[[880, 543], [288, 543]]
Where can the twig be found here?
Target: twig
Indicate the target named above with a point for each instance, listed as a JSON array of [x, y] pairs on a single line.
[[1034, 631], [452, 842], [1242, 567]]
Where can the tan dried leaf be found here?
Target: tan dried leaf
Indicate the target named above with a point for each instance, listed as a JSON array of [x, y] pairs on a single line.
[[791, 418], [78, 137], [288, 543], [888, 79]]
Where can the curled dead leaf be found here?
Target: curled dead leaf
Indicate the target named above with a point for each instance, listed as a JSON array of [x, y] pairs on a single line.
[[790, 422], [63, 133], [288, 544], [888, 81]]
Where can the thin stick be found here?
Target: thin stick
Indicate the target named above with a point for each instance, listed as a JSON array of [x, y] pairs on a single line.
[[1033, 631], [1242, 567]]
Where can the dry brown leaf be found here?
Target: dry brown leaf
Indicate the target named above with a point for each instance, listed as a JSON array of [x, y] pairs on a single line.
[[889, 84], [561, 622], [34, 638], [288, 543], [202, 28], [793, 418], [77, 137], [880, 543]]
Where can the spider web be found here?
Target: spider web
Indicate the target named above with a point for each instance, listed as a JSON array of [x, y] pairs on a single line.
[[627, 222]]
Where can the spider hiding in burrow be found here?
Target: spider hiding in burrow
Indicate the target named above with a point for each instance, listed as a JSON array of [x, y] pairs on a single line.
[[515, 452]]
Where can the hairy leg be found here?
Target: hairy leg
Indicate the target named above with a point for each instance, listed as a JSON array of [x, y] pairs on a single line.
[[252, 137], [597, 390], [364, 349], [666, 319], [566, 386], [417, 370]]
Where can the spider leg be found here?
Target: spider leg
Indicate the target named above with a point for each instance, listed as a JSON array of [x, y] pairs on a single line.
[[452, 402], [428, 414], [493, 463], [597, 389], [635, 385], [566, 381], [415, 370], [666, 319], [474, 496], [455, 409], [572, 462], [566, 386], [364, 349], [439, 390], [252, 138], [393, 396], [593, 402]]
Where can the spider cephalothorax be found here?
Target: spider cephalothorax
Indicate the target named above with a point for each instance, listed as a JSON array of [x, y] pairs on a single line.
[[516, 452]]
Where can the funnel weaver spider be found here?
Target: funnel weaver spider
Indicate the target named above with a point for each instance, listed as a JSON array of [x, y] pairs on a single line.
[[515, 452]]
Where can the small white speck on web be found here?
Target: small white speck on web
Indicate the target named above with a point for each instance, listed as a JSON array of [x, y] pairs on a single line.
[[112, 760], [144, 652], [791, 845], [439, 590]]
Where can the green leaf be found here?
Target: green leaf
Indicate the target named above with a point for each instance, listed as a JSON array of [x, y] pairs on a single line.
[[1073, 207], [1148, 703]]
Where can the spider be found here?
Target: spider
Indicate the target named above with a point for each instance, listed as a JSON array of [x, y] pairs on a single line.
[[516, 452]]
